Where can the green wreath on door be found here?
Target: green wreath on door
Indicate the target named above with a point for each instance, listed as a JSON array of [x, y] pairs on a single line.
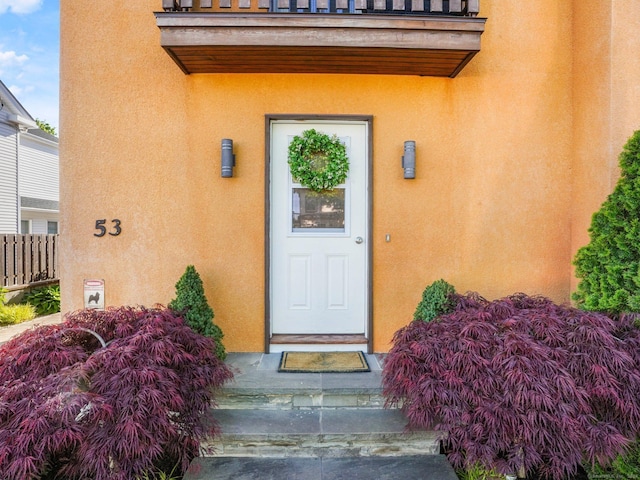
[[318, 161]]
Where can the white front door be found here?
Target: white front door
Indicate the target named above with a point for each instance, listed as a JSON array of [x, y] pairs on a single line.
[[319, 244]]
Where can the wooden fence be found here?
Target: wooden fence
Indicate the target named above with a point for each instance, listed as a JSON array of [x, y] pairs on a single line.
[[28, 259]]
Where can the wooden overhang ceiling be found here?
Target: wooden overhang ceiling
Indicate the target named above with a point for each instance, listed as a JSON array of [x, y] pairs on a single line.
[[437, 46]]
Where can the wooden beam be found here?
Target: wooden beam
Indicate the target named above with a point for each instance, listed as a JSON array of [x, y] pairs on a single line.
[[334, 31], [323, 60]]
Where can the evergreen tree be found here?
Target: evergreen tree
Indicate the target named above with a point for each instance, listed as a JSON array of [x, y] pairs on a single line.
[[609, 266], [192, 303]]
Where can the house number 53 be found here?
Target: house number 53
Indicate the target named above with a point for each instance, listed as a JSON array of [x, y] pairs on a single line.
[[114, 231]]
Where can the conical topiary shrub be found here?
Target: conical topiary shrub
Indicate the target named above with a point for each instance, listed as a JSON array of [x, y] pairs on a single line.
[[437, 299], [609, 266], [192, 303]]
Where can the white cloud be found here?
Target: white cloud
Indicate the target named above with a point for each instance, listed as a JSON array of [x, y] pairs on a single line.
[[11, 58], [20, 6], [16, 90]]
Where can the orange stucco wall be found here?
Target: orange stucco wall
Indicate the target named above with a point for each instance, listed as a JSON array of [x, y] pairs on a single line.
[[494, 207], [606, 108]]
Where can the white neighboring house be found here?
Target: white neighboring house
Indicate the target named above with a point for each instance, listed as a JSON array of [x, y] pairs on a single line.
[[29, 171]]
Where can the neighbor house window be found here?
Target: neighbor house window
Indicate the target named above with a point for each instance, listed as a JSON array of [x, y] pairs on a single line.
[[52, 228], [24, 227]]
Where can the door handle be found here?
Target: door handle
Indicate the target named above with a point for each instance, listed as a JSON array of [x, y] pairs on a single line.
[[359, 240]]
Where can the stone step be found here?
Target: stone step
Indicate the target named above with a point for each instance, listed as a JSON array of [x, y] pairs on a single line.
[[312, 427], [258, 385], [300, 399], [317, 433], [429, 467]]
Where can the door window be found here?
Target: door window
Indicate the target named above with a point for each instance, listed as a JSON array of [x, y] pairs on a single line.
[[322, 211]]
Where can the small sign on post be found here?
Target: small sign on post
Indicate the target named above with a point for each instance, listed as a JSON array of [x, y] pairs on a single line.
[[94, 294]]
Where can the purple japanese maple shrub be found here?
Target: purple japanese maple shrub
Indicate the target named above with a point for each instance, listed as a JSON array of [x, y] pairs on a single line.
[[520, 384], [70, 408]]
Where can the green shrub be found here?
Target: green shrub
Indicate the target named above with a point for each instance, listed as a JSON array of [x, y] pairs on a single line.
[[608, 267], [46, 300], [437, 299], [478, 472], [192, 303], [12, 314], [623, 467], [161, 475]]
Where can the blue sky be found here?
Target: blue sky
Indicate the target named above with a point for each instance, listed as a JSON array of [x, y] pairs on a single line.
[[30, 54]]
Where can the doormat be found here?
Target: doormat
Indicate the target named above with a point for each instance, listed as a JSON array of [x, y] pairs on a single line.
[[323, 362]]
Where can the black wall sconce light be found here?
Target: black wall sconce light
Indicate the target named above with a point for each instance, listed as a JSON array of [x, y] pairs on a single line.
[[228, 158], [409, 159]]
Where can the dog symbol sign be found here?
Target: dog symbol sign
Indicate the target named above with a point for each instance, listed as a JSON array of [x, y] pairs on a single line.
[[94, 294]]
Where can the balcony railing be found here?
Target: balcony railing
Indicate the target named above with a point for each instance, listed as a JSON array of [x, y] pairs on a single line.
[[430, 7], [381, 37]]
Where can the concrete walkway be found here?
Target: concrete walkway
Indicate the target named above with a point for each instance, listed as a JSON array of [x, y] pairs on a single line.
[[8, 332]]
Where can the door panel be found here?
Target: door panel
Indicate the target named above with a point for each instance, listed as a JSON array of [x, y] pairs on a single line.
[[299, 282], [337, 282], [318, 277]]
